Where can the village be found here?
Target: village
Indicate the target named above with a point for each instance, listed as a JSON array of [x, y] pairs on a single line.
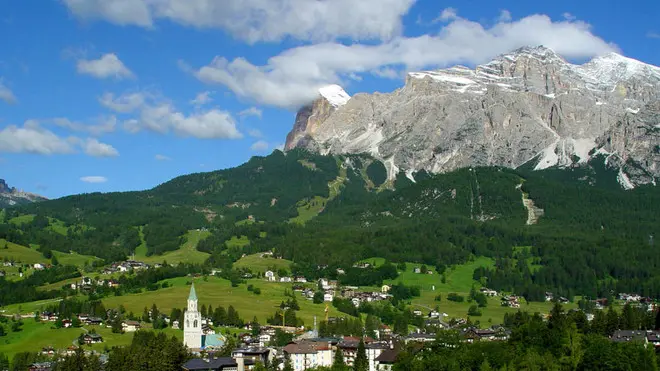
[[258, 343]]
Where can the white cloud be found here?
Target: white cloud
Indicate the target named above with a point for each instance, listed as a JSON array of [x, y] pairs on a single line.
[[6, 94], [95, 148], [162, 158], [161, 116], [568, 16], [259, 20], [125, 103], [505, 16], [260, 146], [293, 77], [650, 34], [94, 179], [103, 125], [109, 65], [32, 139], [447, 14], [255, 133], [202, 99], [252, 111]]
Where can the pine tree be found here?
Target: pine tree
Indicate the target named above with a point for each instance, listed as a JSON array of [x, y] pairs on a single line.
[[338, 363], [361, 362]]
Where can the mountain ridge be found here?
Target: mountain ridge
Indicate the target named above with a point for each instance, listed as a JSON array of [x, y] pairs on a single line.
[[10, 196], [527, 105]]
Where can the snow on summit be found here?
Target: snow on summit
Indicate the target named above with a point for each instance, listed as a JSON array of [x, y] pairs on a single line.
[[335, 94]]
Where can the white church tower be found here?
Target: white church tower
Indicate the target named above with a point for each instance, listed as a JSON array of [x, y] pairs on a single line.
[[192, 324]]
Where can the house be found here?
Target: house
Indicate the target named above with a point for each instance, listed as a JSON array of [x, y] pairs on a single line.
[[385, 361], [340, 271], [417, 312], [71, 350], [494, 333], [434, 314], [48, 351], [301, 279], [264, 356], [286, 279], [629, 336], [323, 282], [130, 326], [309, 354], [67, 323], [653, 338], [385, 289], [548, 296], [328, 296], [94, 321], [175, 324], [41, 366], [270, 276], [92, 338], [488, 292], [207, 330], [417, 270], [419, 338], [38, 266], [218, 364]]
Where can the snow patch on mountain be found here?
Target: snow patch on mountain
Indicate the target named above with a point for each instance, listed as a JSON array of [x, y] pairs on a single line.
[[335, 94]]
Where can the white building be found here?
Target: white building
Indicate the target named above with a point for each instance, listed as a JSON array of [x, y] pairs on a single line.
[[270, 275], [192, 324]]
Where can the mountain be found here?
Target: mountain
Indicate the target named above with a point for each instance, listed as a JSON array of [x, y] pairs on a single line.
[[527, 106], [12, 196]]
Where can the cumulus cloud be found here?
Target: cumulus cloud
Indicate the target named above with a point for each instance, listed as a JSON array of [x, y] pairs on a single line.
[[95, 148], [568, 16], [125, 103], [33, 139], [505, 16], [447, 14], [102, 126], [202, 99], [161, 116], [108, 66], [293, 77], [252, 111], [94, 179], [260, 146], [162, 158], [259, 20], [6, 94]]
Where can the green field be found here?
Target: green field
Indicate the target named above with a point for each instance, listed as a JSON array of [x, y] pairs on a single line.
[[187, 253], [218, 292], [308, 209], [73, 258], [20, 220], [258, 264], [37, 335], [237, 242], [20, 253]]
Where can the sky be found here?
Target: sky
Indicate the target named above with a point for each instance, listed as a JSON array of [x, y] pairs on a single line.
[[118, 95]]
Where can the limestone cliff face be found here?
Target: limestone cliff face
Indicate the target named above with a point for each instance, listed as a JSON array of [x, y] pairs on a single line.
[[10, 196], [528, 105]]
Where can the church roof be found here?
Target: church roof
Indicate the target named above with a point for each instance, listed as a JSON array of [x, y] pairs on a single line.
[[193, 294]]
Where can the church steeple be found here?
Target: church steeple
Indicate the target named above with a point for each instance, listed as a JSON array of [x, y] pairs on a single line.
[[193, 294]]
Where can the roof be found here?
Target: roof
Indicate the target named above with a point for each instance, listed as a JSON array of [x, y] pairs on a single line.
[[94, 336], [621, 336], [387, 356], [302, 348], [215, 340], [212, 364], [193, 294]]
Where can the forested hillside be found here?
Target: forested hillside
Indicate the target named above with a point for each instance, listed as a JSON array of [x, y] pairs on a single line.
[[331, 211]]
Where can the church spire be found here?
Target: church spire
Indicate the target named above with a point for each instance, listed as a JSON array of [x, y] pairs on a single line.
[[193, 294]]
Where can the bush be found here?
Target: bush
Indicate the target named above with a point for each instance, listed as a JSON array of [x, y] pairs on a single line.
[[474, 311], [256, 291], [438, 298], [452, 296]]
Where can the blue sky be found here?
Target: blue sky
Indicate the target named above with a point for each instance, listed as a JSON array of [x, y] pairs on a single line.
[[114, 95]]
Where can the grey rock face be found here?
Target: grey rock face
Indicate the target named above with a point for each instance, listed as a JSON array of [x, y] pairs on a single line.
[[526, 105], [10, 196]]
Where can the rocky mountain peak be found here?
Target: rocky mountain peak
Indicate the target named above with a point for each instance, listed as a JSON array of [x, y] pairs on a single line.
[[526, 106], [10, 196], [4, 188]]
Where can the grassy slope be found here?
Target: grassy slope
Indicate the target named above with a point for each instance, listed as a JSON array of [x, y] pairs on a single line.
[[73, 258], [37, 335], [19, 220], [20, 253], [308, 209], [258, 264], [187, 253], [218, 292], [238, 242]]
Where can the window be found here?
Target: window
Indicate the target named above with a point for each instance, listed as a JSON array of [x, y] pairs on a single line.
[[195, 324], [187, 323]]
